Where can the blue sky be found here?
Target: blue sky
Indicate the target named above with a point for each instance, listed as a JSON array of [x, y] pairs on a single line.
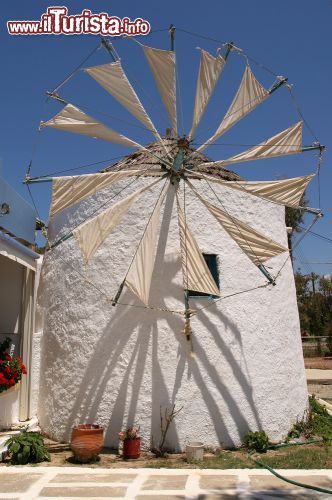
[[293, 38]]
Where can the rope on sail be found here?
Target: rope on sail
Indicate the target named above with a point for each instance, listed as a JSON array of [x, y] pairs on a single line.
[[79, 167], [313, 222], [187, 326], [76, 69]]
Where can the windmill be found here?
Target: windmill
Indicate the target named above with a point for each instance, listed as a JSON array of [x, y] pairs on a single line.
[[172, 164]]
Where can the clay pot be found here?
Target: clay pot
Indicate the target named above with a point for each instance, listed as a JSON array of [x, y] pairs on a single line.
[[86, 441], [131, 448]]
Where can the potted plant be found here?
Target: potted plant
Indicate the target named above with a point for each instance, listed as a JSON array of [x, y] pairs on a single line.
[[86, 441], [11, 368], [27, 447], [131, 442]]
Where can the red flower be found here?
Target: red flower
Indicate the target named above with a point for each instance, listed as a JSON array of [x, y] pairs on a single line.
[[11, 367]]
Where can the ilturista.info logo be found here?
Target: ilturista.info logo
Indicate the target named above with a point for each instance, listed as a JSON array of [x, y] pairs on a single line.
[[56, 21]]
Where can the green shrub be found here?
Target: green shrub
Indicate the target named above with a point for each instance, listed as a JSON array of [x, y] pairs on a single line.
[[321, 419], [27, 447], [302, 428], [316, 422], [256, 441]]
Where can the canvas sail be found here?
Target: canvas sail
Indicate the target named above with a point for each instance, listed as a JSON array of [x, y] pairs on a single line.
[[255, 245], [113, 79], [162, 64], [249, 95], [139, 275], [209, 71], [196, 274], [287, 142], [68, 190], [92, 233], [72, 119], [286, 192]]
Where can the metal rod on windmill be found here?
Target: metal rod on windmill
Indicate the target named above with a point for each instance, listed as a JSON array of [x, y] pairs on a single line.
[[171, 31]]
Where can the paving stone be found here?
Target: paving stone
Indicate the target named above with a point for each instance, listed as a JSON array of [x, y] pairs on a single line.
[[83, 492], [165, 483], [159, 497], [14, 483], [218, 482], [218, 496], [322, 481], [274, 496], [269, 483], [93, 478], [273, 483], [288, 496]]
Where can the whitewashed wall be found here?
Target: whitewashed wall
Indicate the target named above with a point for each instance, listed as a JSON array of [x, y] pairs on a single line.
[[117, 366]]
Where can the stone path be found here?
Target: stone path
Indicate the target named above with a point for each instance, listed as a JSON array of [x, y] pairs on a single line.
[[320, 383], [316, 374], [27, 483]]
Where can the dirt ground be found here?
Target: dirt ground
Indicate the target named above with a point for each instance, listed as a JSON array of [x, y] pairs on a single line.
[[61, 455], [304, 457], [318, 363]]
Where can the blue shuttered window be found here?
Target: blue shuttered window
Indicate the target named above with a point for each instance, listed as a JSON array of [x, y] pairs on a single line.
[[212, 263]]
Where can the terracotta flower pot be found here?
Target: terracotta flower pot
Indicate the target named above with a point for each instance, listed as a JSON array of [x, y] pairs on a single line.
[[86, 441], [132, 448]]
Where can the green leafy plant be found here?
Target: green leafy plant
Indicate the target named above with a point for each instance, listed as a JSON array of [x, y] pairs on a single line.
[[321, 420], [256, 441], [27, 447]]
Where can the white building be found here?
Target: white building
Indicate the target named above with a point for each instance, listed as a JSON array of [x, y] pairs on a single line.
[[19, 266], [117, 366]]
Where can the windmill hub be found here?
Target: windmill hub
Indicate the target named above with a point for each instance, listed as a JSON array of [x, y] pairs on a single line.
[[183, 142]]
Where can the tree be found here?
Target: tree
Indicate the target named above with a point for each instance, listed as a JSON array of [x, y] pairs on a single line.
[[314, 298], [325, 285]]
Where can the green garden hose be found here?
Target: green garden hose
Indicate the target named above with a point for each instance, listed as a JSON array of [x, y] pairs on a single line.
[[296, 483], [300, 443]]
